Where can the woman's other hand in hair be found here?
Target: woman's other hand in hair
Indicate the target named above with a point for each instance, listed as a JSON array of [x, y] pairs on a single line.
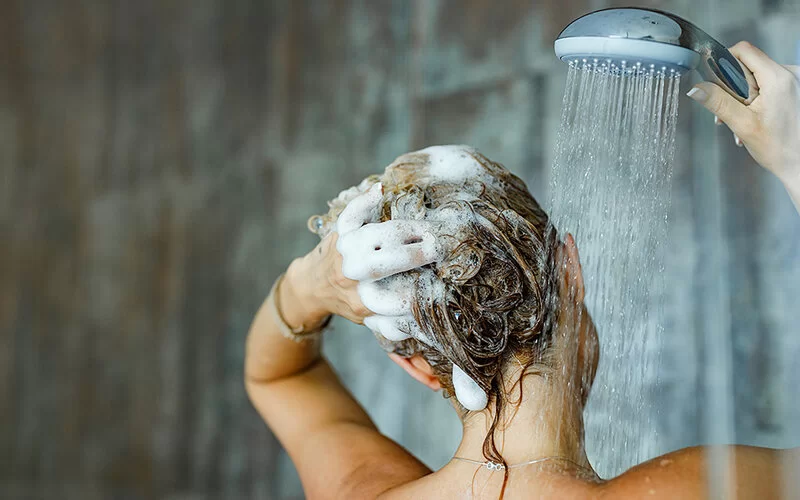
[[769, 127]]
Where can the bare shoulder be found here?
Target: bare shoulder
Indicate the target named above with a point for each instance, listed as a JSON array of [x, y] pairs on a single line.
[[683, 474], [680, 474]]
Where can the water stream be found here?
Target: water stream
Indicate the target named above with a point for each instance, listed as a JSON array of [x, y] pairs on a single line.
[[610, 188]]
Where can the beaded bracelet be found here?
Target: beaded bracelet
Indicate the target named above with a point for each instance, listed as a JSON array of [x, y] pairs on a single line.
[[299, 334]]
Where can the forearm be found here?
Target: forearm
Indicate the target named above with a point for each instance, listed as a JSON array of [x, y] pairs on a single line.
[[269, 355]]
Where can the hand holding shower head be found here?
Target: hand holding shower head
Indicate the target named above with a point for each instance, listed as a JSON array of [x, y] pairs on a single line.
[[627, 36]]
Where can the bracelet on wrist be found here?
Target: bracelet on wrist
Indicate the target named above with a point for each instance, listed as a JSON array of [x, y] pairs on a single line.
[[299, 334]]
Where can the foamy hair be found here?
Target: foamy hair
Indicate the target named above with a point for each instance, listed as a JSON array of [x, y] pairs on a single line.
[[323, 225], [413, 234]]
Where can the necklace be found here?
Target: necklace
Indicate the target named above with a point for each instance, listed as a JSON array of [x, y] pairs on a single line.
[[494, 466]]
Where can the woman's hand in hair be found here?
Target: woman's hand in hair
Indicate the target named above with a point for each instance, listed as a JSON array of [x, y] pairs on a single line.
[[769, 127], [363, 255], [320, 288]]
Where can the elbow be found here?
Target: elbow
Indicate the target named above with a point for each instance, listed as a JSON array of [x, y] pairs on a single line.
[[251, 380], [250, 385], [256, 387], [256, 376]]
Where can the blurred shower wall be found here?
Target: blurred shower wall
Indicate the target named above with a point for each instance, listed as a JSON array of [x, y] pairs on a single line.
[[159, 161]]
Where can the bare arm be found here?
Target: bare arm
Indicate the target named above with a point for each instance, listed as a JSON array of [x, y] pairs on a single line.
[[338, 451], [329, 437], [769, 126], [270, 356]]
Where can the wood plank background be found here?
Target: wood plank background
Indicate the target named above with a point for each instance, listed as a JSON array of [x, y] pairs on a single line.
[[159, 159]]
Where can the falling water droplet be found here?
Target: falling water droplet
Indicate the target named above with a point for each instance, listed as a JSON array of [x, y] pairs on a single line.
[[610, 187]]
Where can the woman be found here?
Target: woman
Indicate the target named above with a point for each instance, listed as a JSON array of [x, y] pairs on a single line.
[[463, 281]]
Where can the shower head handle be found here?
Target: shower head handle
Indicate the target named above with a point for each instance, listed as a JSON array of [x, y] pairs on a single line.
[[621, 26], [717, 64]]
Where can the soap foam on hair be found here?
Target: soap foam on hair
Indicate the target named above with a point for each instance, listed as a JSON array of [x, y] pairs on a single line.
[[370, 250], [468, 392], [453, 164]]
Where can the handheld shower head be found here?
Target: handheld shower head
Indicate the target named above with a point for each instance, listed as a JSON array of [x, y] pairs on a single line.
[[627, 36]]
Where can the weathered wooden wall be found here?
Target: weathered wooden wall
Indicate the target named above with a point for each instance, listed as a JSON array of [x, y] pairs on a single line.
[[159, 160]]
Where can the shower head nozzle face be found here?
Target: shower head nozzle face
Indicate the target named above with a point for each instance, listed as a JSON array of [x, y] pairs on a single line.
[[622, 54]]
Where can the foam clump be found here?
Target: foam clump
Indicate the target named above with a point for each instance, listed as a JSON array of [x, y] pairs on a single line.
[[347, 195], [453, 163], [361, 209], [322, 225], [468, 392]]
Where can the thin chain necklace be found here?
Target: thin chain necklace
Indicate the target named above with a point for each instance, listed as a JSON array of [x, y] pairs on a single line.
[[494, 466]]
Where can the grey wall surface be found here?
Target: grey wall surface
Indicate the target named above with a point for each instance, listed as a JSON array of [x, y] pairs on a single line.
[[159, 161]]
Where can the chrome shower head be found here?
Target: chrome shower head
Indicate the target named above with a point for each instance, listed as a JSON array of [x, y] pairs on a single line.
[[652, 38]]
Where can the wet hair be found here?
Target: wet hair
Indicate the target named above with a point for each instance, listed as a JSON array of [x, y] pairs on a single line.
[[501, 292], [501, 288]]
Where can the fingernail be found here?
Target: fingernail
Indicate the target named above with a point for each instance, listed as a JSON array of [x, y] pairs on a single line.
[[698, 95], [738, 141]]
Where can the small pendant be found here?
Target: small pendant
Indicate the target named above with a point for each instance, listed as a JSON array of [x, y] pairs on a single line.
[[494, 466]]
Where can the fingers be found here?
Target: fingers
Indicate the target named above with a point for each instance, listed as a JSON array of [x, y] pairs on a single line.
[[788, 78], [736, 115], [393, 233], [397, 328], [361, 210], [379, 250], [736, 139], [756, 60], [393, 295], [394, 328], [390, 296]]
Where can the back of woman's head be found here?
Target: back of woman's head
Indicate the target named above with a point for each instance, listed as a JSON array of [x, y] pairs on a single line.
[[497, 293], [500, 297]]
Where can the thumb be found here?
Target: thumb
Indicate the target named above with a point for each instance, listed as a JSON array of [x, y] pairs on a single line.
[[735, 114]]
